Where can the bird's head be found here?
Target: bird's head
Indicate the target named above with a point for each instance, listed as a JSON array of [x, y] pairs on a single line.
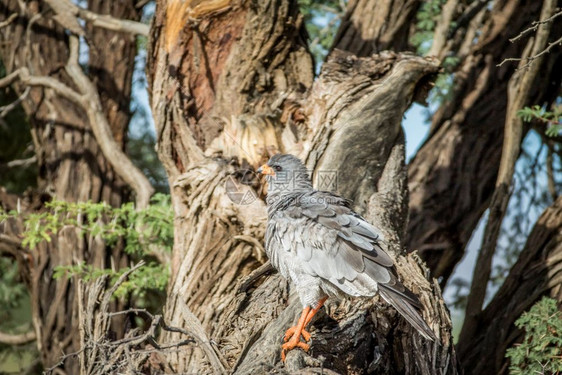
[[285, 174]]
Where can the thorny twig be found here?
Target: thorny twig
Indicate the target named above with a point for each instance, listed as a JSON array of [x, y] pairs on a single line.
[[530, 59], [534, 27], [100, 355]]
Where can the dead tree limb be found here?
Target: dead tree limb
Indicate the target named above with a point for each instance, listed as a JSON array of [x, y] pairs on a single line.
[[67, 12], [100, 355], [17, 338], [91, 102]]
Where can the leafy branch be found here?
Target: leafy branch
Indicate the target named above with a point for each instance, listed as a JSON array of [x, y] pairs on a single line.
[[426, 20], [541, 349], [552, 119], [146, 233], [321, 20]]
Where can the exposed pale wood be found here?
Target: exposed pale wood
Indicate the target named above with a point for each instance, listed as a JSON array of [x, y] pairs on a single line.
[[17, 338], [228, 108], [68, 12], [102, 130]]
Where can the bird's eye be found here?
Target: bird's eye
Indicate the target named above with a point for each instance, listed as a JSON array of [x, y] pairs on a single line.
[[277, 168]]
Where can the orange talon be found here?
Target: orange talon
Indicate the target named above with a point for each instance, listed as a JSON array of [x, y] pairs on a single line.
[[293, 334], [293, 343]]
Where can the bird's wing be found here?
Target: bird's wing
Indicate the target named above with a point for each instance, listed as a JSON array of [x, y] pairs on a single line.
[[338, 245]]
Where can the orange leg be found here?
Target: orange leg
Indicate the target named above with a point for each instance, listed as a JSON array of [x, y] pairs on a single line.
[[314, 311], [293, 334]]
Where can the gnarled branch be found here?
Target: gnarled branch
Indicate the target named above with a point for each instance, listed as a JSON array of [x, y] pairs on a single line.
[[89, 100]]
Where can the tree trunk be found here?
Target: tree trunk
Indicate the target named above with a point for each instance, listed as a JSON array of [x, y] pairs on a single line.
[[70, 162], [457, 166], [227, 91], [452, 176], [372, 26], [537, 273]]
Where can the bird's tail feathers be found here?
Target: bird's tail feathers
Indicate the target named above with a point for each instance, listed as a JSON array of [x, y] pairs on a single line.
[[406, 308]]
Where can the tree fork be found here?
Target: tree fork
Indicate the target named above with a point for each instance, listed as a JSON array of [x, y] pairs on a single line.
[[242, 108]]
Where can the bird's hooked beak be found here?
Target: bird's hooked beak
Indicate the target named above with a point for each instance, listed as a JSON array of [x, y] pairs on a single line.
[[266, 169]]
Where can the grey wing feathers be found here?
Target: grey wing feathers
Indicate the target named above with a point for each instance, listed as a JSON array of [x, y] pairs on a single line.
[[332, 212], [347, 251], [344, 248]]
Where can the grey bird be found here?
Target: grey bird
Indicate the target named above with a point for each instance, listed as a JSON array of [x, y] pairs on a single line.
[[316, 240]]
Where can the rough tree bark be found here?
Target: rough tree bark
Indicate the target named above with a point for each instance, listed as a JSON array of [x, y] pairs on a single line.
[[71, 164], [228, 84], [466, 135], [372, 26], [457, 165], [451, 179]]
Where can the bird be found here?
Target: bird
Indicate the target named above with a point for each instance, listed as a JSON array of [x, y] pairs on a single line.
[[317, 241]]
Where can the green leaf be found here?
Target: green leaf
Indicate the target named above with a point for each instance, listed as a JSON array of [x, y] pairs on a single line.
[[542, 345]]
